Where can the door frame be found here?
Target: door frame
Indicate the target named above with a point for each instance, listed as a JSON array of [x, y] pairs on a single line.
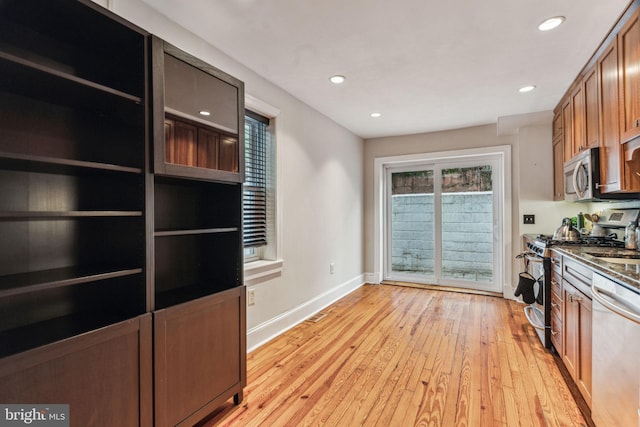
[[502, 153]]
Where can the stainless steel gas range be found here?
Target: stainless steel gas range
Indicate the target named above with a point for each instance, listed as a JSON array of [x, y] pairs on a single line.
[[538, 263]]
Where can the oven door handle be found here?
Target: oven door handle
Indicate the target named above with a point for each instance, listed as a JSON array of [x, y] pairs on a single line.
[[529, 315], [533, 258], [613, 303]]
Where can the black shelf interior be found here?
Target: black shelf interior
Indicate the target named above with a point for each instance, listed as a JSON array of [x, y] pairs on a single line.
[[15, 284], [96, 244], [192, 266], [196, 205], [73, 132], [36, 130], [58, 313], [25, 191], [23, 78], [80, 42]]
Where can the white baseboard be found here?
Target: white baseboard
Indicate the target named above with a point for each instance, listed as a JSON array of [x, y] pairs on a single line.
[[373, 278], [270, 329]]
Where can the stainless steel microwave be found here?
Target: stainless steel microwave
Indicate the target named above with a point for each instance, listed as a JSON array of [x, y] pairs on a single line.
[[581, 176], [582, 179]]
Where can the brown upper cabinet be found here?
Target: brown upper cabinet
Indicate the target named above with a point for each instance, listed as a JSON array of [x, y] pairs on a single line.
[[602, 109], [558, 157], [202, 111], [567, 130], [580, 114], [629, 57], [611, 161]]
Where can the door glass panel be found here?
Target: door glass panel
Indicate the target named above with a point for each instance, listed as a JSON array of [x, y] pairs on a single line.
[[467, 223], [412, 218]]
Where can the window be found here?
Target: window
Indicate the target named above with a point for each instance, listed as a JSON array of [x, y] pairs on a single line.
[[256, 187]]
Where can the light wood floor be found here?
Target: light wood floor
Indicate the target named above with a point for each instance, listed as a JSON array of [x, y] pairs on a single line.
[[397, 356]]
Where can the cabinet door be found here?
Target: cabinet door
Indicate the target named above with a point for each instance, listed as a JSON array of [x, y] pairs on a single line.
[[570, 322], [567, 130], [577, 120], [629, 55], [556, 311], [591, 121], [576, 352], [611, 166], [558, 170], [104, 375], [557, 126], [200, 357]]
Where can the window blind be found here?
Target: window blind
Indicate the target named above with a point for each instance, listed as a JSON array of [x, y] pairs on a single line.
[[254, 216]]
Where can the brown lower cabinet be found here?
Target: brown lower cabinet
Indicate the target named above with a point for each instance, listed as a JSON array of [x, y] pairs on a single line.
[[105, 376], [557, 304], [199, 362], [576, 347]]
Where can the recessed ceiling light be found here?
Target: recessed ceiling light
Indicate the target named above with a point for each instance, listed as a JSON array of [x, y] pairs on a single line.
[[376, 115], [204, 113], [337, 79], [551, 23], [526, 89]]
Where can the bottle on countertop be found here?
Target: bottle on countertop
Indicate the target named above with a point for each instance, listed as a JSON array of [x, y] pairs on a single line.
[[630, 239], [637, 237]]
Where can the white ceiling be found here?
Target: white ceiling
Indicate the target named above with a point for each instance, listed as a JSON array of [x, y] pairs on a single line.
[[426, 65]]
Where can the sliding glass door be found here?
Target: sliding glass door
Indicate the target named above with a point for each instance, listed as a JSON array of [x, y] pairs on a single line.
[[442, 223]]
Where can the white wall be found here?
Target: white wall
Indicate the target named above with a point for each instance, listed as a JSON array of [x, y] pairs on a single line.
[[320, 191], [535, 175]]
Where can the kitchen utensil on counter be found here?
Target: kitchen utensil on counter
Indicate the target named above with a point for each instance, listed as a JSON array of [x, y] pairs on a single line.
[[566, 231]]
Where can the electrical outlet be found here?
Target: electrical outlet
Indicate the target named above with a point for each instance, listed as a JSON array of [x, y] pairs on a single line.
[[528, 219], [251, 297], [332, 268]]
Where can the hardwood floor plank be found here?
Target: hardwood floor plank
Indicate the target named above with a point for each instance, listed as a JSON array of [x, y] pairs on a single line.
[[395, 356]]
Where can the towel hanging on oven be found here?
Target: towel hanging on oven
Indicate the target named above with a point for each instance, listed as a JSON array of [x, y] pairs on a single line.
[[525, 288], [526, 283]]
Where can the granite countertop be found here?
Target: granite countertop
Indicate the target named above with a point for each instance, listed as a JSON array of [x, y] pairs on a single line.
[[626, 273]]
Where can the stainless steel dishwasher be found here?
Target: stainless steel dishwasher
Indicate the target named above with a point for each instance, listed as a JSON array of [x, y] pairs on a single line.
[[616, 354]]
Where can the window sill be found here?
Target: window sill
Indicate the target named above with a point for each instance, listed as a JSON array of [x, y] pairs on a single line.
[[261, 271]]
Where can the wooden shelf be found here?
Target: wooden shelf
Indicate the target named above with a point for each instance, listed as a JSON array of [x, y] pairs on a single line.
[[192, 232], [16, 284], [17, 215], [58, 165], [187, 293], [41, 82], [38, 334]]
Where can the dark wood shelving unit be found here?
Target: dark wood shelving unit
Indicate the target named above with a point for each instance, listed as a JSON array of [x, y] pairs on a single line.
[[36, 281], [73, 254], [121, 260], [199, 296]]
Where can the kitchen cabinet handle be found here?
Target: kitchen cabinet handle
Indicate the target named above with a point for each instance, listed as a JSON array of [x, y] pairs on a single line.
[[554, 305], [554, 333], [615, 304], [638, 173]]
